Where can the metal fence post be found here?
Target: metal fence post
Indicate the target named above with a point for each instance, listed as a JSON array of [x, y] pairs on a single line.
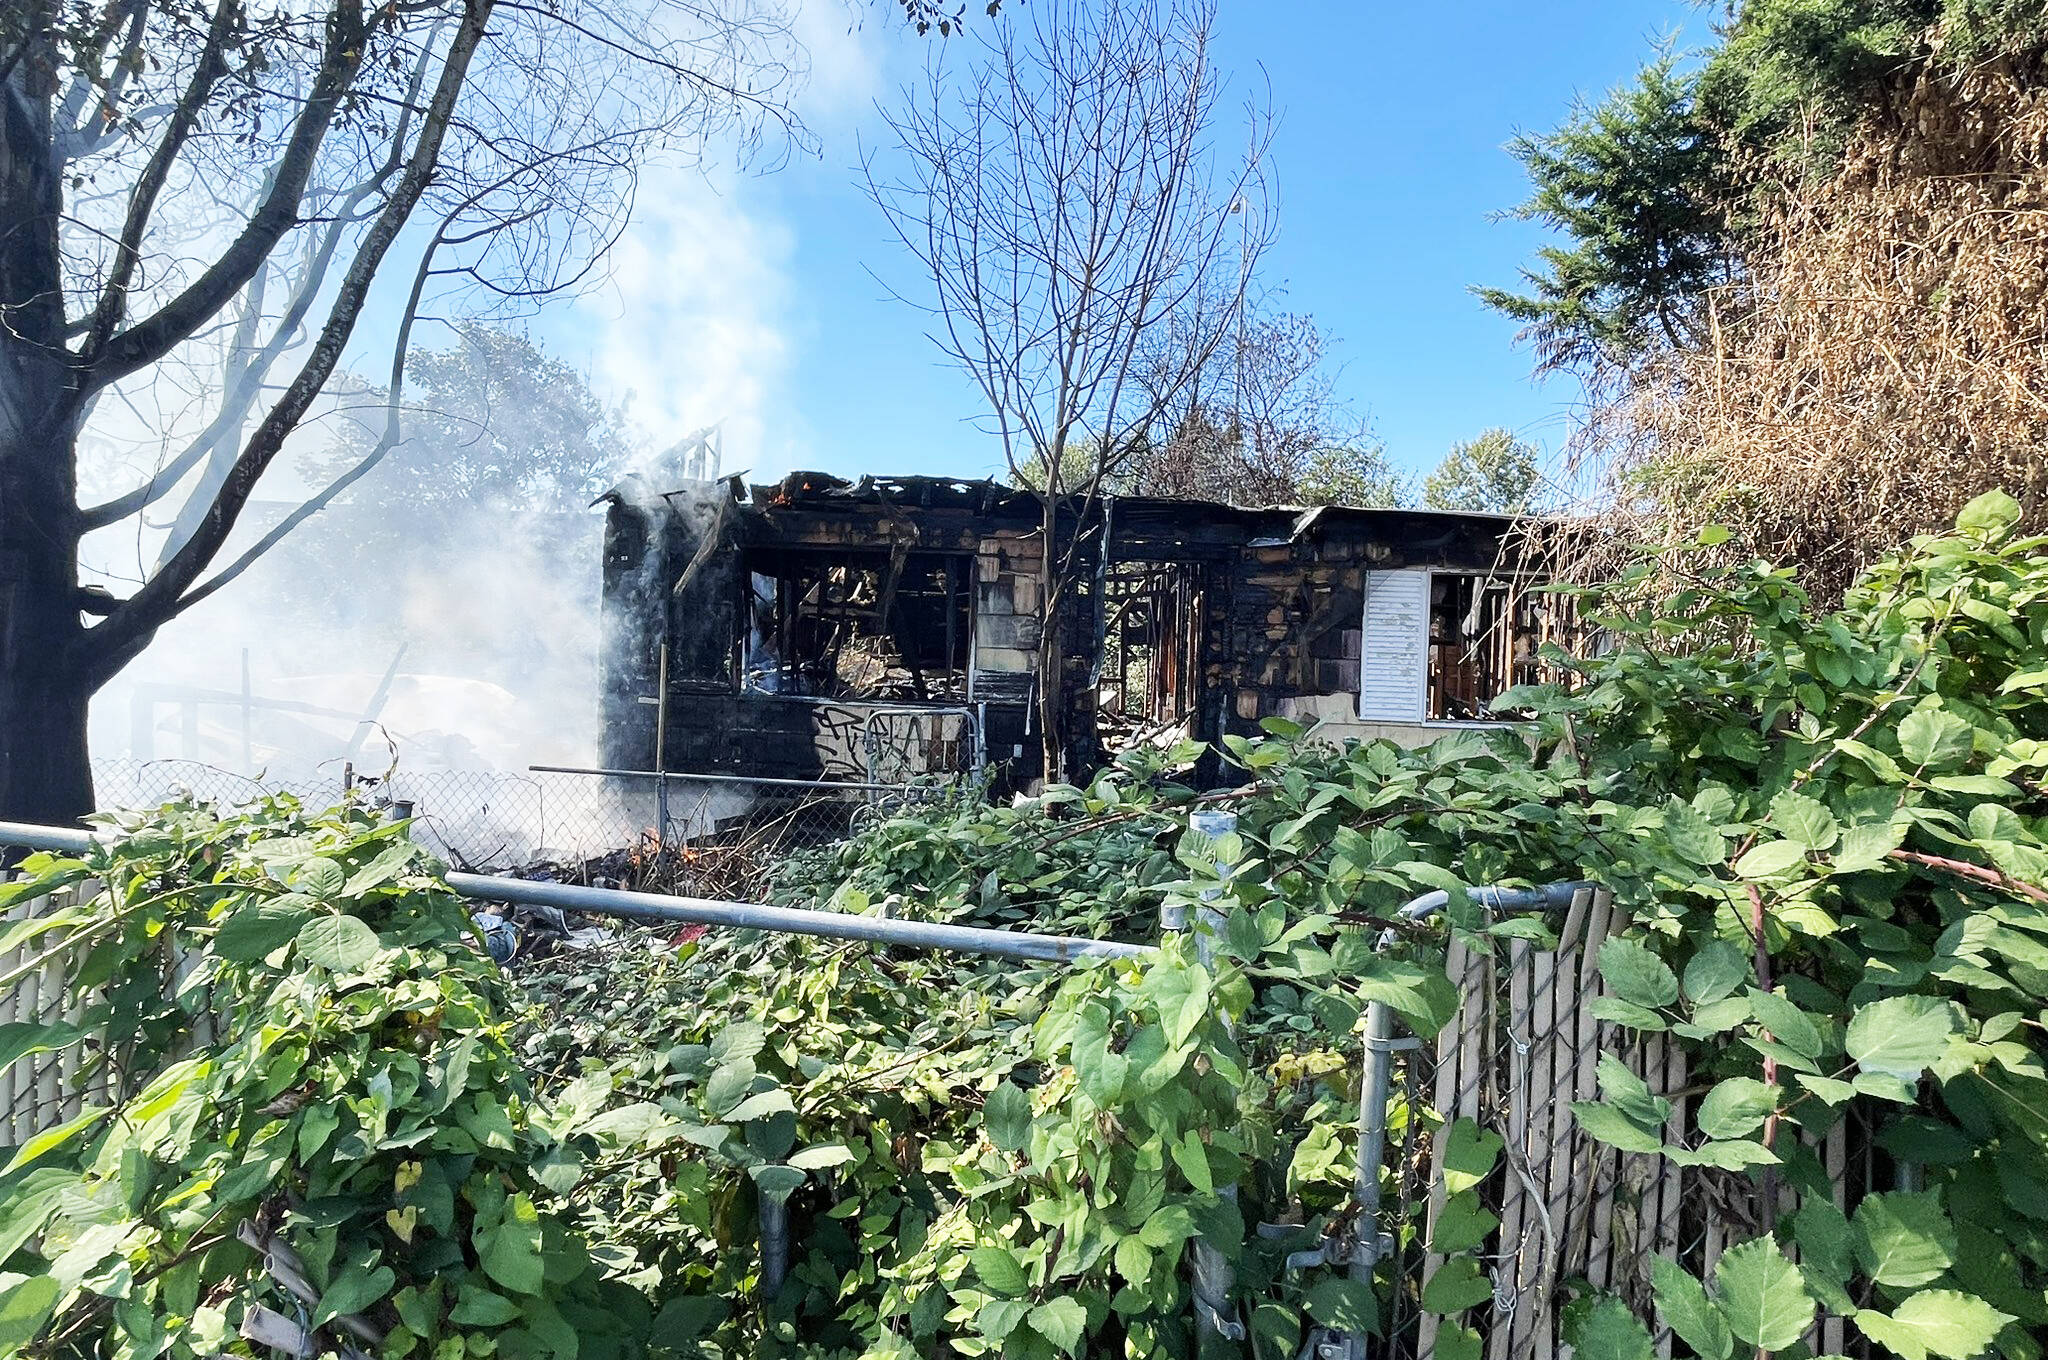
[[774, 1215], [1214, 1274]]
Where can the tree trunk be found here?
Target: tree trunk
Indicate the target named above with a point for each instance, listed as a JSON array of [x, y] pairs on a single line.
[[45, 775], [1051, 665], [45, 679], [45, 685]]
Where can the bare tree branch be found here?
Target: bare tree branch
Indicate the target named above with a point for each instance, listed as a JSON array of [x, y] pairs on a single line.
[[114, 639], [151, 338]]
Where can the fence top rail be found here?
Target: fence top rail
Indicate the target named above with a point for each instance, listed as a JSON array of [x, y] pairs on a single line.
[[640, 906], [687, 777]]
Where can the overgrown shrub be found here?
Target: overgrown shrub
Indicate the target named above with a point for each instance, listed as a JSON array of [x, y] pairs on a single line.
[[1827, 829], [311, 1061]]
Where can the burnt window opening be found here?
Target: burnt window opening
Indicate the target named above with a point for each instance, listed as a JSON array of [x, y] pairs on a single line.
[[857, 624], [1151, 651], [1486, 635]]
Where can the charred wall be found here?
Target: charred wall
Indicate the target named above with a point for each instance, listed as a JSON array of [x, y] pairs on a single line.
[[1240, 611]]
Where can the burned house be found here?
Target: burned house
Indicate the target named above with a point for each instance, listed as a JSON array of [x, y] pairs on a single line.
[[891, 627]]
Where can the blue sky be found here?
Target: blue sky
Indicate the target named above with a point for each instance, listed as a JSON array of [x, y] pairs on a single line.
[[749, 297]]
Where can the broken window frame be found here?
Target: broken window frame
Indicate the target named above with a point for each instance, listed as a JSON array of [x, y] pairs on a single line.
[[802, 607], [1480, 648], [1138, 594], [1414, 668]]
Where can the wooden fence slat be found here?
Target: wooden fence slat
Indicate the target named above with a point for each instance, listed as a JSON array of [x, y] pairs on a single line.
[[41, 1090], [1513, 1197], [1449, 1045]]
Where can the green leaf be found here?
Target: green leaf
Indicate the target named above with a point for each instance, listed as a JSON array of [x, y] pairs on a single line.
[[53, 1138], [996, 1320], [476, 1306], [1100, 1070], [24, 1307], [821, 1156], [1191, 1155], [1693, 835], [1940, 1322], [1006, 1115], [1457, 1285], [253, 933], [775, 1181], [1276, 1331], [1626, 1013], [1061, 1321], [2024, 680], [741, 1040], [340, 943], [1635, 974], [1788, 1024], [1683, 1304], [893, 1346], [1772, 859], [1614, 1128], [728, 1085], [1991, 513], [1463, 1224], [1133, 1259], [761, 1106], [998, 1269], [1731, 1154], [1762, 1296], [355, 1289], [1631, 1095], [1455, 1342], [1736, 1107], [1804, 821], [381, 870], [1346, 1305], [1900, 1036], [1168, 1227], [1935, 739], [321, 879], [1715, 970], [1903, 1239], [509, 1252], [1243, 939], [1827, 1257], [1716, 1017], [19, 1038], [1609, 1331], [1424, 997], [1470, 1153], [1181, 992], [686, 1317], [1868, 846]]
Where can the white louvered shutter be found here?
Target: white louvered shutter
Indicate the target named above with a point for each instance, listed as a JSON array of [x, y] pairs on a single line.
[[1393, 669]]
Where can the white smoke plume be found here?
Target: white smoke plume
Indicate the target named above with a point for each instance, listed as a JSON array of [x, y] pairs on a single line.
[[481, 653]]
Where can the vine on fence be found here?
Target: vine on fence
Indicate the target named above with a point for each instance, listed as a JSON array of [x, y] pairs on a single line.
[[1827, 830]]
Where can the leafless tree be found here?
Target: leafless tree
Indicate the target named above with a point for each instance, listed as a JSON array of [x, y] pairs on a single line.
[[196, 199], [1261, 422], [1064, 199]]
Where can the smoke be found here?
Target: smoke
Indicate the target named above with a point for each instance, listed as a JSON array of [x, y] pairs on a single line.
[[465, 635]]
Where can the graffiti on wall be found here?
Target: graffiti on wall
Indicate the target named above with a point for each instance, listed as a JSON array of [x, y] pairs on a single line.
[[881, 744]]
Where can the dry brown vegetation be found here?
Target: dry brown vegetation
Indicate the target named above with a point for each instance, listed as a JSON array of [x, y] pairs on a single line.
[[1882, 359]]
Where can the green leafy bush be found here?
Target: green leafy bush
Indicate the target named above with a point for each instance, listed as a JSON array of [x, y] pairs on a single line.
[[1827, 829], [312, 1061]]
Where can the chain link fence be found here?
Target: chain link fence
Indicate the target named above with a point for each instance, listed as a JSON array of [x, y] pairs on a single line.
[[711, 835], [1572, 1214]]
